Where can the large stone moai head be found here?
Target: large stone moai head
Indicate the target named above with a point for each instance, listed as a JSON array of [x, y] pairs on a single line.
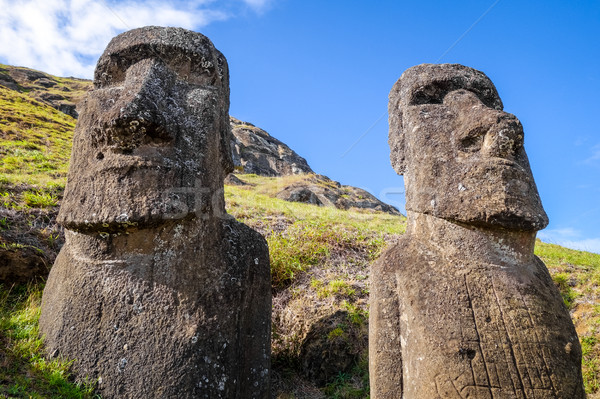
[[461, 307], [157, 292], [146, 133], [461, 155]]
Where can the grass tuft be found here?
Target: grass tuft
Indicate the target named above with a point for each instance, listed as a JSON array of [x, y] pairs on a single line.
[[26, 372]]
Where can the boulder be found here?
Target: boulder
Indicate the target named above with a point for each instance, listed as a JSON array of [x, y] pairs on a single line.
[[329, 349], [322, 191], [233, 180]]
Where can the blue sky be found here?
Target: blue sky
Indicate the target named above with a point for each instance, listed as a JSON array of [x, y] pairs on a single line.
[[316, 75]]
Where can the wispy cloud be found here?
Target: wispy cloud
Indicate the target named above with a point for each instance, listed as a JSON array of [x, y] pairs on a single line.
[[595, 157], [65, 37], [258, 5], [570, 238]]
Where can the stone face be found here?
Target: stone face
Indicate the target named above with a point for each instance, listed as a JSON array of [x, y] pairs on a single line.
[[477, 170], [157, 292], [461, 307], [157, 120]]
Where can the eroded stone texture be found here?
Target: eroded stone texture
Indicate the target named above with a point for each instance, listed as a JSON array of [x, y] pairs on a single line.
[[460, 307], [158, 293], [256, 151]]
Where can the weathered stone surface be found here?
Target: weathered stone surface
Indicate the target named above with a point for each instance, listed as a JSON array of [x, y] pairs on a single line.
[[157, 292], [461, 307], [255, 151], [7, 81]]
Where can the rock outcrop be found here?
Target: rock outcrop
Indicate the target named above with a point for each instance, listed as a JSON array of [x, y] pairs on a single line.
[[255, 151], [157, 292], [461, 307], [322, 191], [22, 265]]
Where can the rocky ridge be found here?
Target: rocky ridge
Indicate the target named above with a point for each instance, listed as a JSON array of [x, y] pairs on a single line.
[[257, 152]]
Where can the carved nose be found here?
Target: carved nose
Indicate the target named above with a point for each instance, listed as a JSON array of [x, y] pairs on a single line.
[[504, 138], [492, 132], [138, 109]]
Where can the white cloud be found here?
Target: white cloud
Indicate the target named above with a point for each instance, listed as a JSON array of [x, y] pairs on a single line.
[[258, 5], [65, 37], [570, 238], [595, 157]]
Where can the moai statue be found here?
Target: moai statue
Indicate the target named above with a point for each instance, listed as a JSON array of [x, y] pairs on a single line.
[[157, 293], [461, 307]]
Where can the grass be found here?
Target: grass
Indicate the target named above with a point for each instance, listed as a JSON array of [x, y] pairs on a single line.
[[36, 141], [301, 236], [24, 371], [338, 287], [35, 138], [577, 276], [353, 385], [320, 260], [39, 199]]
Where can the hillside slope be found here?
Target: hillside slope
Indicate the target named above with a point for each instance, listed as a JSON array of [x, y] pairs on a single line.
[[320, 257]]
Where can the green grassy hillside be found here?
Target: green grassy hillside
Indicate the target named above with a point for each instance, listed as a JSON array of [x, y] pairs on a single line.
[[320, 261]]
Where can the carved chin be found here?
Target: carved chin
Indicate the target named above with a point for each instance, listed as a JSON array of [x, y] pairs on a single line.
[[112, 199], [493, 194], [496, 194]]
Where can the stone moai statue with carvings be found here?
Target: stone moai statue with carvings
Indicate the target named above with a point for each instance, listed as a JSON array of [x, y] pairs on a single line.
[[461, 307], [158, 293]]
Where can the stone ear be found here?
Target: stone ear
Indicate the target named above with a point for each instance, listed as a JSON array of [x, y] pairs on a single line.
[[225, 146], [396, 133], [396, 143]]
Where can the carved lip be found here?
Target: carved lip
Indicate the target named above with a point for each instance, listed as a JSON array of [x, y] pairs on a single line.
[[121, 169], [505, 163], [116, 162]]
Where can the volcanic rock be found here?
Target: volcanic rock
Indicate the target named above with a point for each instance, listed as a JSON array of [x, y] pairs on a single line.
[[255, 151], [322, 191]]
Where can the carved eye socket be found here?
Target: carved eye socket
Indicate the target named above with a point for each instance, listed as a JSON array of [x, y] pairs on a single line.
[[427, 95], [109, 76], [472, 141], [192, 70]]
